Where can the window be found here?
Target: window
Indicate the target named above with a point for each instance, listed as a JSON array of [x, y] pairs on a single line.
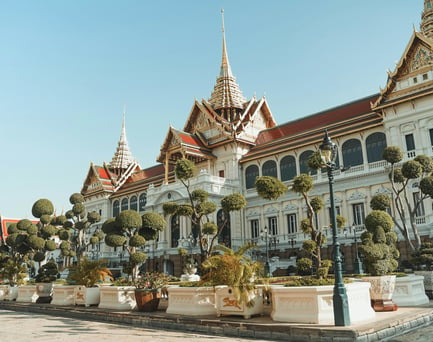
[[175, 231], [133, 203], [221, 173], [224, 222], [269, 168], [303, 163], [272, 224], [424, 77], [142, 201], [124, 205], [352, 153], [410, 142], [431, 136], [415, 80], [251, 173], [116, 207], [292, 226], [337, 212], [254, 224], [376, 143], [358, 214], [288, 168], [420, 211]]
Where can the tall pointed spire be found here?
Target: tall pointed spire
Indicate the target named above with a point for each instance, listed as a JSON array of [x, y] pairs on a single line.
[[427, 19], [122, 157], [226, 96]]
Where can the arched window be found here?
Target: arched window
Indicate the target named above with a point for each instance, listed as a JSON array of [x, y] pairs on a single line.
[[175, 231], [269, 168], [375, 144], [116, 208], [251, 173], [124, 205], [288, 168], [303, 163], [352, 153], [133, 203], [223, 220], [142, 202]]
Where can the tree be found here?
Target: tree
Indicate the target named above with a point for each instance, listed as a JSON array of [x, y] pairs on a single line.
[[76, 226], [405, 207], [198, 209], [130, 231]]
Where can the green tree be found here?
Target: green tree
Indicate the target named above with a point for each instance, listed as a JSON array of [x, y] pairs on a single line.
[[198, 209], [403, 176]]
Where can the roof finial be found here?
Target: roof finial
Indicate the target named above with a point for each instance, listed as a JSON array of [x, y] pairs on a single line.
[[225, 65]]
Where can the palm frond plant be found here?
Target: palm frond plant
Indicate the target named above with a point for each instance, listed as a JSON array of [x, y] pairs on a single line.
[[89, 272]]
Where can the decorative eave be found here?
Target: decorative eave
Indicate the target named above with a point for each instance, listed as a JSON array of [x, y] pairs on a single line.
[[99, 180]]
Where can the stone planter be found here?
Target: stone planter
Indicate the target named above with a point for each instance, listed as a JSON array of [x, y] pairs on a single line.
[[44, 291], [194, 301], [63, 295], [226, 304], [381, 290], [314, 304], [86, 295], [27, 294], [428, 282], [409, 291], [10, 292], [3, 289], [117, 297]]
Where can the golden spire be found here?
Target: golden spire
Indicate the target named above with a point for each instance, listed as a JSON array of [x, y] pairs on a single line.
[[122, 157], [427, 19]]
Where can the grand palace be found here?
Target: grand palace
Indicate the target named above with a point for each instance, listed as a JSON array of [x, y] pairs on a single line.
[[233, 139]]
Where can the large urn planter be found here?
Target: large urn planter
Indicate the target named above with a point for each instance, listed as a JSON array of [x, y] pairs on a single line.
[[44, 291], [409, 291], [193, 301], [428, 282], [63, 295], [3, 289], [314, 304], [86, 295], [381, 291], [147, 300], [117, 297], [27, 294], [10, 292], [226, 303]]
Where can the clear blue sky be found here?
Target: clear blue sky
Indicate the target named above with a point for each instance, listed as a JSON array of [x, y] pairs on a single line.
[[67, 69]]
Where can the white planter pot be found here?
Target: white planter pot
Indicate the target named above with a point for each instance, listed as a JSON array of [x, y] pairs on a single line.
[[27, 294], [3, 289], [195, 301], [86, 295], [314, 304], [409, 291], [226, 304], [63, 295], [381, 291], [10, 292], [117, 297]]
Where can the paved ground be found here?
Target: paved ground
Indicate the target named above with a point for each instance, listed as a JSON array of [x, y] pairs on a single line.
[[424, 334], [26, 327]]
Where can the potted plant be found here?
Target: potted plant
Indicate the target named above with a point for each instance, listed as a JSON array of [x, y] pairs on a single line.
[[47, 273], [233, 273], [86, 275], [14, 272], [380, 254], [148, 290]]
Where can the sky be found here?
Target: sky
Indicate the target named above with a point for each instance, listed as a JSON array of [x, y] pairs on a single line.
[[69, 69]]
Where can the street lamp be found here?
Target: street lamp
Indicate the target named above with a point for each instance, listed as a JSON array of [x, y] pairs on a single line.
[[265, 234], [357, 265], [328, 152]]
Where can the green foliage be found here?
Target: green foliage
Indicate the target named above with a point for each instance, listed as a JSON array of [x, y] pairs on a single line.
[[309, 246], [392, 154], [89, 272], [233, 202], [12, 229], [317, 204], [269, 187], [206, 207], [411, 169], [210, 228], [21, 225], [426, 186], [93, 217], [36, 242], [93, 240], [76, 198], [50, 245], [137, 241], [41, 207], [310, 281], [115, 240], [129, 221], [109, 226], [423, 256], [45, 219], [153, 221], [199, 195], [48, 231], [169, 208], [304, 265], [315, 161], [426, 163], [305, 226], [184, 210], [13, 271], [78, 209], [152, 280], [137, 258], [47, 273], [184, 169], [39, 256], [378, 218], [64, 234], [380, 202], [341, 221], [302, 183]]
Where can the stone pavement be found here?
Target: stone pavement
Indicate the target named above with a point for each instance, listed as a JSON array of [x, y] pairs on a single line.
[[385, 327]]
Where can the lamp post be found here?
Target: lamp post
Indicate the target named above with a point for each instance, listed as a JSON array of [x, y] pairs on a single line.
[[328, 152], [264, 234], [357, 265]]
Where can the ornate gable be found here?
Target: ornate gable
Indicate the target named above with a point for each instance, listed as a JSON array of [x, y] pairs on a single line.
[[99, 180]]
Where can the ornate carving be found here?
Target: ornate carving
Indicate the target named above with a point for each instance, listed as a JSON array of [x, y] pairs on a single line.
[[422, 57]]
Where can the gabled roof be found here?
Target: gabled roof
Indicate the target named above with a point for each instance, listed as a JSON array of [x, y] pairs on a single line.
[[5, 222], [99, 179], [342, 120]]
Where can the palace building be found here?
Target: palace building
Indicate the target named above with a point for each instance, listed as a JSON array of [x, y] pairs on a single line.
[[233, 139]]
